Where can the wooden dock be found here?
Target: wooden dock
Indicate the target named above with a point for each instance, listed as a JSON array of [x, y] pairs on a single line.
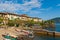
[[47, 32]]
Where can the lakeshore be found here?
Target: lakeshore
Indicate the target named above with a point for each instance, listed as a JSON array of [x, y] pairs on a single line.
[[14, 32], [11, 23], [45, 32], [37, 32], [48, 33]]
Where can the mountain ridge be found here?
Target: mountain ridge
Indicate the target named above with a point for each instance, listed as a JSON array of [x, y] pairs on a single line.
[[56, 20]]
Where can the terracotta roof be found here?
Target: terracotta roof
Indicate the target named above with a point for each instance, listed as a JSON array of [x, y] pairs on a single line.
[[24, 15], [5, 13], [36, 18], [2, 13]]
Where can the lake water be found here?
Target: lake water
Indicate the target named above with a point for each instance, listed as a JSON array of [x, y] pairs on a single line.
[[46, 38], [57, 25], [57, 28]]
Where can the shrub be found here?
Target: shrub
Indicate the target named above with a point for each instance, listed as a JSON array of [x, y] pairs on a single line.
[[10, 24]]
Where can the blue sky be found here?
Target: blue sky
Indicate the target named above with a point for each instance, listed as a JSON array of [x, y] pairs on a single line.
[[45, 9]]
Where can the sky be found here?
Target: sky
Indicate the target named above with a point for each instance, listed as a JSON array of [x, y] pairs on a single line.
[[45, 9]]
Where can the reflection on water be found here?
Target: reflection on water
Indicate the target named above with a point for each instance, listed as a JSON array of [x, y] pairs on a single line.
[[57, 28], [44, 38]]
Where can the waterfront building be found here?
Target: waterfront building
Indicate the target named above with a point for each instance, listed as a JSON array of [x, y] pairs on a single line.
[[12, 16], [37, 19], [24, 17]]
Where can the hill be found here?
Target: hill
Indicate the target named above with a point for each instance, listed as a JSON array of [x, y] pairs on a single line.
[[56, 20]]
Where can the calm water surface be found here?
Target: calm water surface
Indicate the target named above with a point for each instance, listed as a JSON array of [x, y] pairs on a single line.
[[57, 28], [46, 38]]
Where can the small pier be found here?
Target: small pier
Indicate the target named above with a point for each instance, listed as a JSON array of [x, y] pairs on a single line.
[[46, 32]]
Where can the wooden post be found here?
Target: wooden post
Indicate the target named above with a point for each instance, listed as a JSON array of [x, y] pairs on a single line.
[[53, 34], [47, 33]]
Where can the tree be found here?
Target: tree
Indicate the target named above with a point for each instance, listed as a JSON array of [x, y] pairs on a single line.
[[20, 22], [1, 21], [30, 23], [11, 23]]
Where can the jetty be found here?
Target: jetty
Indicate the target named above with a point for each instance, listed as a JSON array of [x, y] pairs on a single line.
[[45, 32]]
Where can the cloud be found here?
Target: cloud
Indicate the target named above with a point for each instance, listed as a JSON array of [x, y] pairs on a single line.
[[35, 13], [14, 6], [46, 9]]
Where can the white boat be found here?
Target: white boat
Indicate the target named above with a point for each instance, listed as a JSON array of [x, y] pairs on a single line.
[[31, 34]]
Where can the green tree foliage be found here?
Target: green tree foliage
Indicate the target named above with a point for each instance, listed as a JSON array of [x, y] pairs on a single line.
[[47, 23], [1, 19], [11, 23]]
